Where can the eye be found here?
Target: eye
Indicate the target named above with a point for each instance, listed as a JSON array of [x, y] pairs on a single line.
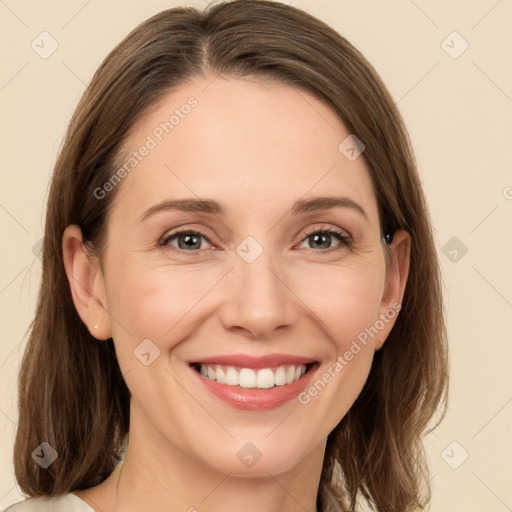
[[188, 240], [191, 240], [322, 238]]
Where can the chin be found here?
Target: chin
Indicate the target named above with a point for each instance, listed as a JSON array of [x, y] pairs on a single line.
[[254, 459]]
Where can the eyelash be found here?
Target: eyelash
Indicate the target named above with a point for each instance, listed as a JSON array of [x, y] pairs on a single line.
[[344, 239]]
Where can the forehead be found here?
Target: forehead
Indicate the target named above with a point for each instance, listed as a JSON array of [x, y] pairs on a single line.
[[248, 144]]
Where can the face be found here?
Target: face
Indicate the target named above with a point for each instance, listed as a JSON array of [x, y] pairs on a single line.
[[263, 283]]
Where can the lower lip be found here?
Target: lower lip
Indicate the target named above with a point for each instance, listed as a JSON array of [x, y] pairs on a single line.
[[257, 399]]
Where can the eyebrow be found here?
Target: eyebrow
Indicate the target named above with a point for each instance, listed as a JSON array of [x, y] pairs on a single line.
[[213, 207]]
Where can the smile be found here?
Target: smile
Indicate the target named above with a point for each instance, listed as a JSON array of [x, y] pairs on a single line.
[[264, 378], [254, 383]]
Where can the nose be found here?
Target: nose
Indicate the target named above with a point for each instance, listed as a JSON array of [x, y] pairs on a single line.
[[259, 298]]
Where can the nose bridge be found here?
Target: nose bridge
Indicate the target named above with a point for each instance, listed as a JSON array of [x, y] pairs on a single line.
[[258, 298]]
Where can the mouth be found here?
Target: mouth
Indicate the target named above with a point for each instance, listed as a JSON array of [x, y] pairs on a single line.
[[263, 378], [256, 383]]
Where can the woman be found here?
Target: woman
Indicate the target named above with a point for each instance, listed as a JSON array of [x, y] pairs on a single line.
[[193, 348]]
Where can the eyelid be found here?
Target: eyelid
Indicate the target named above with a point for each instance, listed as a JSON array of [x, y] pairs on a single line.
[[344, 238], [306, 232], [180, 230], [325, 227]]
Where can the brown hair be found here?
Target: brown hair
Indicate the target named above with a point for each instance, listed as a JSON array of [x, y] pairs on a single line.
[[71, 390]]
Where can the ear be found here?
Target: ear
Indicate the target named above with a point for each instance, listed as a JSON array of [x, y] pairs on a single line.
[[86, 283], [394, 286]]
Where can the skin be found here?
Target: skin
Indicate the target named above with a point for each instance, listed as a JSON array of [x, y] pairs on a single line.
[[256, 148]]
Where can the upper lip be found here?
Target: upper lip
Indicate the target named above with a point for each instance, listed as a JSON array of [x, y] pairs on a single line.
[[250, 361]]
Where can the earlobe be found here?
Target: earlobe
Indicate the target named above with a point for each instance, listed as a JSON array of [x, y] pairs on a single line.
[[86, 283], [396, 281]]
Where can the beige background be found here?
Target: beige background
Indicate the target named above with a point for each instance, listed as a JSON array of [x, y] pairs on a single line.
[[458, 112]]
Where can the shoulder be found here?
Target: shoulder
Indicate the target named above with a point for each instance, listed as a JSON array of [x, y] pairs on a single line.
[[63, 503]]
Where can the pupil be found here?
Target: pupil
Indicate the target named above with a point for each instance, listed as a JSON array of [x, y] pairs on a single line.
[[189, 238], [325, 236]]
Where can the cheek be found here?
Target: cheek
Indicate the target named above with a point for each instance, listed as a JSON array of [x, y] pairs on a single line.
[[150, 302], [345, 299], [346, 303]]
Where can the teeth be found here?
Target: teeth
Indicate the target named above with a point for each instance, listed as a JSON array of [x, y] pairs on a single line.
[[220, 376], [247, 378], [231, 376], [280, 376], [264, 378]]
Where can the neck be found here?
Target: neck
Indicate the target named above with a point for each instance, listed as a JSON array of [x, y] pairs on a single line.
[[157, 476]]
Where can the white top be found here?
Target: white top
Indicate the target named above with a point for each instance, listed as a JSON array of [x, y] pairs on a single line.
[[63, 503], [71, 503]]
